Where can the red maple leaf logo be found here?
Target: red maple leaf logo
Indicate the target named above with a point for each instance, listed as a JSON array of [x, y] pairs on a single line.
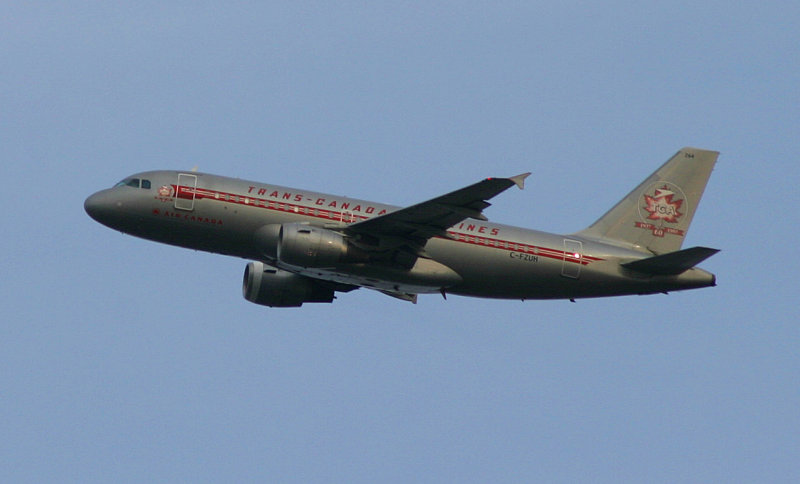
[[662, 206]]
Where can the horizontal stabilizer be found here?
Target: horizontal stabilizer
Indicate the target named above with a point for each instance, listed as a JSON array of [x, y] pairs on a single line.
[[672, 263]]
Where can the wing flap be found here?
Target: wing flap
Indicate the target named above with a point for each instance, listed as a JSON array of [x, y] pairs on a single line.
[[403, 296]]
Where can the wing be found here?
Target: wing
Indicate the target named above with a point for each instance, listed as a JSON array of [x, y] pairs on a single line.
[[416, 224]]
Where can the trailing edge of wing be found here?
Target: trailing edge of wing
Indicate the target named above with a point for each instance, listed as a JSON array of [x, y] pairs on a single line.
[[672, 263]]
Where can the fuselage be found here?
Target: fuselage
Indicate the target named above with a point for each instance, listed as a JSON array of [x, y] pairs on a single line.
[[223, 215]]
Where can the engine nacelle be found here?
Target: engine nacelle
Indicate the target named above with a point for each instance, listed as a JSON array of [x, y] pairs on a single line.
[[308, 246], [266, 240], [275, 288]]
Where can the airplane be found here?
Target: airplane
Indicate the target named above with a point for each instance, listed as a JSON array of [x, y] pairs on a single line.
[[307, 246]]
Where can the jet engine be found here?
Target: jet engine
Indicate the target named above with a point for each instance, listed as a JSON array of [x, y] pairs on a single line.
[[276, 288], [308, 246]]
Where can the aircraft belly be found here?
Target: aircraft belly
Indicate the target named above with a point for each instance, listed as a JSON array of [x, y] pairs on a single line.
[[426, 276], [513, 275]]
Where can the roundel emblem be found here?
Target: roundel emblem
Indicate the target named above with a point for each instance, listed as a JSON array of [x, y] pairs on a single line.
[[662, 201], [165, 191]]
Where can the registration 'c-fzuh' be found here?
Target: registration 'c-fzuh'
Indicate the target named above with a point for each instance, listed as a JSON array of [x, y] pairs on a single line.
[[306, 246]]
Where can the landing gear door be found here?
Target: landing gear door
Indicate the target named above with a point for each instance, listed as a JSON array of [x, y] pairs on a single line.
[[573, 258], [184, 196]]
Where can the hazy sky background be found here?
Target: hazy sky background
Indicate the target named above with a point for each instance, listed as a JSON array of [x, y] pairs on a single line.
[[125, 360]]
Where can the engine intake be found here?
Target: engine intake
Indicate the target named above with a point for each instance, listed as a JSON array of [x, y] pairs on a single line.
[[276, 288]]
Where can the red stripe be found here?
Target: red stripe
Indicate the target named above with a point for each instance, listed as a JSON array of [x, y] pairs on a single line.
[[185, 192]]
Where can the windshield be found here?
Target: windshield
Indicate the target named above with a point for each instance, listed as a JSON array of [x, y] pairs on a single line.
[[135, 183]]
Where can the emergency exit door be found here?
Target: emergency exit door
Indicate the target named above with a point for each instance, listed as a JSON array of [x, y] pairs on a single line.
[[573, 256]]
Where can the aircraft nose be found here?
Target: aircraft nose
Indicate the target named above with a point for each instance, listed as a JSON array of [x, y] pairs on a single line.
[[101, 206]]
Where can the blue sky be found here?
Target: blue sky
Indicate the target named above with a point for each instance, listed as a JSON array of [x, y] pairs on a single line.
[[126, 360]]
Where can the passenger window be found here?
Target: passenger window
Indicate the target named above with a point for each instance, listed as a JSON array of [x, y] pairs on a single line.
[[146, 184]]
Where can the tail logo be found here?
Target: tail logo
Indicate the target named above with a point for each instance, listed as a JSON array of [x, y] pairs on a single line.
[[661, 202], [662, 205]]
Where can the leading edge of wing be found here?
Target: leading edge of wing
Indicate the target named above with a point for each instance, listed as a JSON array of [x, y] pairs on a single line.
[[424, 220]]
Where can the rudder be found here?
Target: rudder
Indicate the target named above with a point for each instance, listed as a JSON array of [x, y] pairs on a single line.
[[655, 216]]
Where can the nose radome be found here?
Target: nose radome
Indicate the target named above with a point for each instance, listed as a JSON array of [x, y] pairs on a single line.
[[93, 205], [100, 206]]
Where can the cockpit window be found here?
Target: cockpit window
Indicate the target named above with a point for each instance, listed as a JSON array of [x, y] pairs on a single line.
[[135, 183], [128, 182]]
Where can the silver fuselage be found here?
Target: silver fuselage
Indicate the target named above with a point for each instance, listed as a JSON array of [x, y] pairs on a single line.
[[221, 215]]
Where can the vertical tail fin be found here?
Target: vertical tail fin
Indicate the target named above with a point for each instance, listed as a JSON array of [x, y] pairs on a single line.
[[655, 216]]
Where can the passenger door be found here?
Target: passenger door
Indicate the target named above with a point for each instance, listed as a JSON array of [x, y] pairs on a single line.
[[184, 196]]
